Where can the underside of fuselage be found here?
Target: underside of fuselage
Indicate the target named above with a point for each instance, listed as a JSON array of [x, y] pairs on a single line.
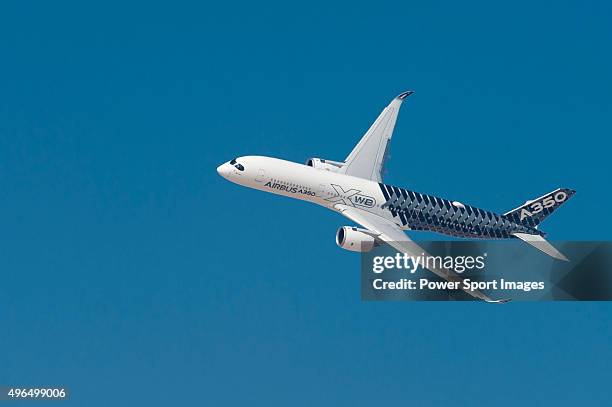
[[426, 212]]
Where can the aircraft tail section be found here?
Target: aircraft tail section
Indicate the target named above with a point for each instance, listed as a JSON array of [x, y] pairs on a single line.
[[541, 244], [533, 212]]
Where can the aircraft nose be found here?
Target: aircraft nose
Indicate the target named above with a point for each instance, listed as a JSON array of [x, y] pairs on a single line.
[[224, 170]]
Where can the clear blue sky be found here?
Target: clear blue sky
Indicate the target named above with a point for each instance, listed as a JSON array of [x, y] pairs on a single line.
[[132, 273]]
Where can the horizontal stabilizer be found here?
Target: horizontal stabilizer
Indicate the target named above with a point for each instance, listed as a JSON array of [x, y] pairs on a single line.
[[541, 244]]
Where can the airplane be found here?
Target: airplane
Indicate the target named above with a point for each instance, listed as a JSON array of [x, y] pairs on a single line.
[[355, 188]]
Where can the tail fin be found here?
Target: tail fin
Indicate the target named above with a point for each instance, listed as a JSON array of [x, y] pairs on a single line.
[[532, 213]]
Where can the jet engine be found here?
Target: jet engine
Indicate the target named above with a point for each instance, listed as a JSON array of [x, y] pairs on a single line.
[[322, 164], [355, 239]]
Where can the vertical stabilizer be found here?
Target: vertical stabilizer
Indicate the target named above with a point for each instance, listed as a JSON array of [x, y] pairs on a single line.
[[533, 212]]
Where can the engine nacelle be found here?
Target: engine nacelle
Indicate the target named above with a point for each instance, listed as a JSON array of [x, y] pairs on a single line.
[[322, 164], [355, 239]]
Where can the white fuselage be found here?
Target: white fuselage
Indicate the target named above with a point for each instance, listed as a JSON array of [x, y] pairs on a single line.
[[409, 210], [299, 181]]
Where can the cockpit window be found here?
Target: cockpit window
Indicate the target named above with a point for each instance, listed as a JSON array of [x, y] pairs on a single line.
[[239, 167]]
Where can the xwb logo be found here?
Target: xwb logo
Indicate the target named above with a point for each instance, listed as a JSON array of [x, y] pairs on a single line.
[[351, 197]]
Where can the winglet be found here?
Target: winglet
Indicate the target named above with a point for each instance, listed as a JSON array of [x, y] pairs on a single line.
[[404, 95]]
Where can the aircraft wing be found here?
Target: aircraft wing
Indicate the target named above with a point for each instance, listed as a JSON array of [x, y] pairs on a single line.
[[368, 157], [391, 234]]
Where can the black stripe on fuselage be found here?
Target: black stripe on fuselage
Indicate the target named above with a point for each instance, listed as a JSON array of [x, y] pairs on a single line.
[[400, 212], [426, 212], [383, 189]]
